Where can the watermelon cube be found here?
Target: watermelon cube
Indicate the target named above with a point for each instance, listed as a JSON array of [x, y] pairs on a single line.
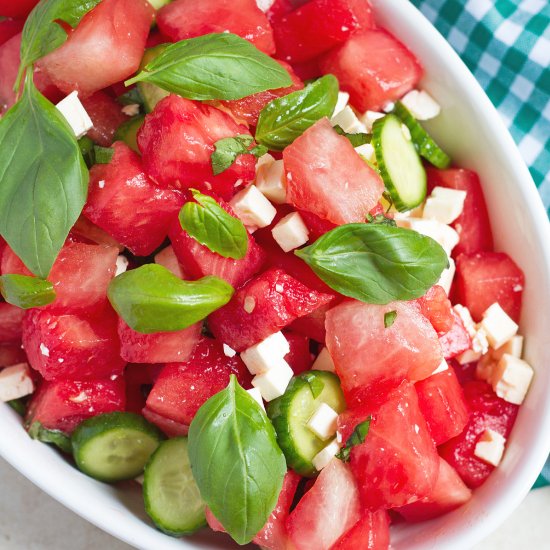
[[169, 427], [398, 462], [61, 346], [441, 401], [488, 277], [9, 28], [327, 177], [472, 226], [177, 141], [449, 493], [85, 231], [11, 354], [265, 305], [318, 26], [436, 307], [299, 358], [329, 509], [63, 404], [106, 116], [456, 340], [374, 68], [160, 347], [312, 325], [486, 411], [190, 18], [367, 355], [124, 202], [21, 9], [317, 226], [371, 532], [168, 259], [10, 323]]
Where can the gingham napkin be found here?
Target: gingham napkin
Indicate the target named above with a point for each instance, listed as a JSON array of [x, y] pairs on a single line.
[[506, 45]]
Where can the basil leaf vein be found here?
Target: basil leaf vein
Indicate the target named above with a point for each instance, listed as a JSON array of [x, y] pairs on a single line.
[[236, 462], [26, 292], [228, 149]]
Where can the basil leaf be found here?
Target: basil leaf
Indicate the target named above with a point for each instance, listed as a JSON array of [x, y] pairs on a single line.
[[286, 118], [389, 318], [19, 406], [56, 437], [44, 180], [381, 220], [103, 155], [355, 139], [151, 299], [86, 146], [26, 292], [316, 385], [228, 149], [214, 66], [356, 438], [236, 462], [376, 263]]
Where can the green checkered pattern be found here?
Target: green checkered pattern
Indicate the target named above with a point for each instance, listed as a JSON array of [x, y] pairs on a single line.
[[506, 45]]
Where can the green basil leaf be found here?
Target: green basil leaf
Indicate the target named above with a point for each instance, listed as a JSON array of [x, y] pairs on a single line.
[[376, 263], [316, 385], [103, 155], [19, 405], [356, 438], [56, 437], [236, 462], [228, 149], [214, 66], [209, 224], [44, 180], [381, 220], [389, 318], [151, 299], [286, 118], [26, 292], [86, 146], [355, 139]]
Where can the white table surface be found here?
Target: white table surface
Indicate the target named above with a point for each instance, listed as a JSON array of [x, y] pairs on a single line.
[[31, 520]]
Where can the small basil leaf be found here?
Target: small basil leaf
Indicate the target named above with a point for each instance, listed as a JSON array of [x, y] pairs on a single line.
[[376, 263], [26, 292], [86, 146], [389, 318], [236, 462], [228, 149], [355, 139], [44, 180], [56, 437], [151, 299], [103, 155], [316, 385], [209, 224], [356, 438], [381, 220], [286, 118], [214, 66], [19, 406]]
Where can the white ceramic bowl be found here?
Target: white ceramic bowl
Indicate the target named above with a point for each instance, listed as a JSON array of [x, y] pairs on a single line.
[[471, 130]]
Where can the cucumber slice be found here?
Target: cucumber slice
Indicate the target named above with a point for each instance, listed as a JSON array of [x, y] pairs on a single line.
[[291, 412], [398, 163], [151, 93], [424, 143], [172, 498], [55, 437], [114, 446], [157, 4], [127, 131]]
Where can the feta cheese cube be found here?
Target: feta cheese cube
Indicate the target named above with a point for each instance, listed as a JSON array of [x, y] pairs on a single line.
[[271, 181], [323, 421], [131, 110], [267, 354], [257, 396], [323, 457], [421, 105], [514, 347], [498, 326], [444, 205], [263, 161], [466, 318], [490, 447], [15, 382], [469, 356], [229, 351], [348, 121], [369, 117], [485, 367], [290, 232], [75, 114], [121, 264], [443, 366], [446, 236], [447, 276], [324, 362], [511, 379], [274, 382], [252, 208], [341, 102], [265, 5], [367, 152]]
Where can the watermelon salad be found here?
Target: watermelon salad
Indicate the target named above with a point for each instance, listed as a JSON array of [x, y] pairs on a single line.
[[237, 268]]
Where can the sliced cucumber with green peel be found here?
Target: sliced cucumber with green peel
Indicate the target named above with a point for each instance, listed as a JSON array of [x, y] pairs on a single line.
[[398, 163], [55, 437], [114, 446], [157, 4], [424, 143], [151, 93], [172, 498], [127, 131], [291, 412]]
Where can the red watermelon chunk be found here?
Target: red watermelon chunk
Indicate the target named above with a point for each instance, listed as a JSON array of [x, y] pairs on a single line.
[[11, 354], [488, 277], [371, 532], [436, 307], [10, 323], [317, 226], [299, 358], [441, 401], [313, 324], [170, 427], [368, 355], [398, 462], [486, 411], [86, 232], [182, 388], [20, 8], [473, 225], [123, 201], [63, 404], [160, 347], [265, 305], [177, 141], [105, 48], [374, 67], [138, 376], [449, 493], [72, 346], [456, 340], [190, 18], [9, 28], [327, 177], [318, 26], [106, 115], [329, 509]]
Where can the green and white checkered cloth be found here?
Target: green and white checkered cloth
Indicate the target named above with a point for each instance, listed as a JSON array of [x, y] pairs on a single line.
[[506, 45]]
